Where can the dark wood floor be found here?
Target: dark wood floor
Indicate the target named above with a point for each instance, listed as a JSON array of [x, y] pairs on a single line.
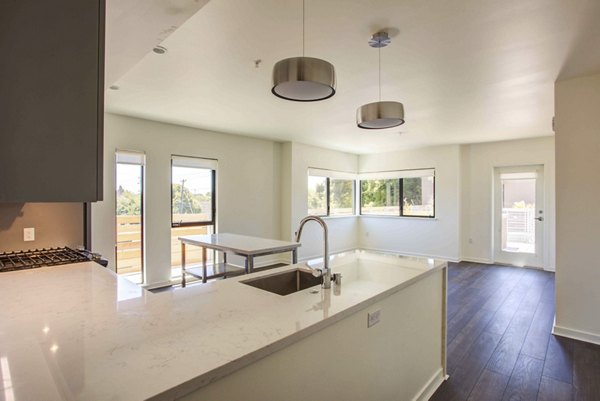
[[499, 341]]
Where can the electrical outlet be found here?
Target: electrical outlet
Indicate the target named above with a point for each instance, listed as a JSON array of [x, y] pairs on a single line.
[[373, 318], [29, 234]]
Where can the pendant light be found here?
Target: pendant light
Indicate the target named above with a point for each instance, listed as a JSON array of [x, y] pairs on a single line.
[[303, 79], [380, 115]]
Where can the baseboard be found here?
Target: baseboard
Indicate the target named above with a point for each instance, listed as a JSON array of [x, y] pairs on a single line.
[[576, 334], [477, 260], [431, 386]]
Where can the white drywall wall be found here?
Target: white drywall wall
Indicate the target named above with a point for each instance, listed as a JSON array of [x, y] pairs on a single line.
[[437, 237], [577, 217], [477, 171], [262, 191], [296, 160], [248, 192]]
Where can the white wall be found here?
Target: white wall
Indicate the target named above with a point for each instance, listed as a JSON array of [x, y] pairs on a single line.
[[262, 191], [464, 200], [296, 159], [578, 218], [437, 237], [477, 171], [248, 191]]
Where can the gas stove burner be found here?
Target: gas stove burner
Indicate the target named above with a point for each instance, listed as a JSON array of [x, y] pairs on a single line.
[[22, 260]]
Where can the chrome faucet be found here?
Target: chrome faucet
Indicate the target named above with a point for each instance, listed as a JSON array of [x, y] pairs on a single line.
[[326, 272]]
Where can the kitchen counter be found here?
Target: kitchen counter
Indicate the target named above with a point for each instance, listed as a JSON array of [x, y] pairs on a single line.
[[79, 332]]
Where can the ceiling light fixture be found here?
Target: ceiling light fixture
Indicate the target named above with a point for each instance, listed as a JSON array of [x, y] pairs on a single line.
[[380, 115], [303, 79]]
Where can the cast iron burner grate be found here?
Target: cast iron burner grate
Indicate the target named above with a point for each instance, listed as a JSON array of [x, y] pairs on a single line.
[[21, 260]]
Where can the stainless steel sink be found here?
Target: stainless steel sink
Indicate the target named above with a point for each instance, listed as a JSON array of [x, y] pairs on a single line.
[[285, 283]]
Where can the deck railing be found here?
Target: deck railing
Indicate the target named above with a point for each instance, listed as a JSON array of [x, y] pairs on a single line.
[[518, 229], [129, 244]]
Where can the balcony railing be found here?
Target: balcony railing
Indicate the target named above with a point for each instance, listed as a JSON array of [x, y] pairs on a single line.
[[518, 230], [129, 244]]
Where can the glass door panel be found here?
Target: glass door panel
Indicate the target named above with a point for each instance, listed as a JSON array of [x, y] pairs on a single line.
[[519, 215], [129, 221]]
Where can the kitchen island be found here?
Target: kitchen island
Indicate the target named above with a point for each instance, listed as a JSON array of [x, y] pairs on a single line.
[[79, 332]]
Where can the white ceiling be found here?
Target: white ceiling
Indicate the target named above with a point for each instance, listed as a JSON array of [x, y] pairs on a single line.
[[153, 20], [466, 70]]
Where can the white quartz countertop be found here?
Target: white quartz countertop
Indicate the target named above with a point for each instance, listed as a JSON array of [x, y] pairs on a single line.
[[241, 244], [79, 332]]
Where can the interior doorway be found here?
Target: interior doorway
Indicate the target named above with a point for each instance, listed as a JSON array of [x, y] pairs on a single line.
[[519, 215]]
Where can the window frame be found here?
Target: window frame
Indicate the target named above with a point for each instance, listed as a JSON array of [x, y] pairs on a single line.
[[213, 200], [328, 197], [400, 201]]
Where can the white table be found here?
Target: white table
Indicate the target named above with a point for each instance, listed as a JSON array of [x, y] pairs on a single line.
[[242, 245]]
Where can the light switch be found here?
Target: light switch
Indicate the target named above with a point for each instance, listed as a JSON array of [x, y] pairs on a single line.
[[29, 234]]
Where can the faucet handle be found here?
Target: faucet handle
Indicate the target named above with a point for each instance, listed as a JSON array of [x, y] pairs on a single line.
[[337, 278]]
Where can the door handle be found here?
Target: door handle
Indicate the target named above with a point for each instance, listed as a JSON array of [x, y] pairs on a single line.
[[539, 218]]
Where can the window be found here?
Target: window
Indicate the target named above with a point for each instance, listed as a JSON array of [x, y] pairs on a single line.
[[380, 197], [129, 212], [398, 193], [417, 196], [341, 197], [330, 193], [193, 205], [317, 196]]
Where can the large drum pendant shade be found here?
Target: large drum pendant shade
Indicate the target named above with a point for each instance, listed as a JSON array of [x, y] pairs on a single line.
[[303, 79], [380, 115]]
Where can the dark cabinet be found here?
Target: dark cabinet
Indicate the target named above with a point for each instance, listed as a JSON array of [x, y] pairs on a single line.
[[51, 100]]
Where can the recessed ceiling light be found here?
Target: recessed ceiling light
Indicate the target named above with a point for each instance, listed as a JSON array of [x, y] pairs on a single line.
[[159, 49]]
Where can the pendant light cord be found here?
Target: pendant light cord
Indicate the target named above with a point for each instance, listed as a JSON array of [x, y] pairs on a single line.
[[303, 25], [379, 73]]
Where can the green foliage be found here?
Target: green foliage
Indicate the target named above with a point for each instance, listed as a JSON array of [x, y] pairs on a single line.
[[340, 193], [184, 201], [317, 196], [128, 203], [379, 193], [412, 191]]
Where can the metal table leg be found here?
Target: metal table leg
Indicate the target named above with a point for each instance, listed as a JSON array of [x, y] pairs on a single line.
[[250, 262], [183, 265], [204, 264]]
